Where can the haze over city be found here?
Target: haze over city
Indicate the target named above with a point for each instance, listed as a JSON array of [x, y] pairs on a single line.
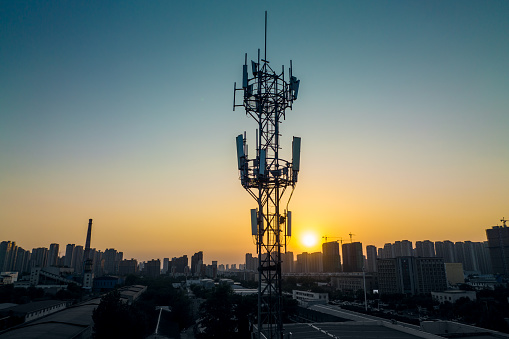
[[122, 112]]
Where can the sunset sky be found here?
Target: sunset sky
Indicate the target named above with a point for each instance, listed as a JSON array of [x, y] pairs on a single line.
[[121, 111]]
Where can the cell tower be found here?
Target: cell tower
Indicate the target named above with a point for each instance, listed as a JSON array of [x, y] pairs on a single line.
[[266, 96]]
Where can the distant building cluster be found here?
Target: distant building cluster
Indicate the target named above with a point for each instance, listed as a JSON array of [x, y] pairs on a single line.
[[401, 267], [44, 267], [398, 267]]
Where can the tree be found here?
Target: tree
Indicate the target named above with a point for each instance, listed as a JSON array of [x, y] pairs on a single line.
[[115, 319], [217, 314]]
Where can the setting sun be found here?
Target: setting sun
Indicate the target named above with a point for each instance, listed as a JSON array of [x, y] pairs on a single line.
[[309, 239]]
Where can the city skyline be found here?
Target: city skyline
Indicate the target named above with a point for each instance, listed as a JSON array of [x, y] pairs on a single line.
[[122, 113], [415, 250]]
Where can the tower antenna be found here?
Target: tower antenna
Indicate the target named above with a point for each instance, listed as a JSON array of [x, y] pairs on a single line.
[[265, 48], [266, 177]]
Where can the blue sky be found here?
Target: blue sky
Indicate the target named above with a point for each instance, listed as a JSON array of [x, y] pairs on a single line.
[[122, 112]]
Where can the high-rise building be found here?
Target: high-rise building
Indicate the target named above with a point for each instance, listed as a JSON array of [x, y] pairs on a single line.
[[331, 257], [411, 275], [396, 248], [39, 257], [315, 262], [98, 263], [483, 257], [77, 258], [440, 249], [371, 258], [406, 248], [353, 260], [69, 255], [6, 255], [13, 258], [252, 262], [449, 251], [127, 267], [388, 251], [498, 245], [459, 252], [111, 261], [178, 265], [425, 249], [470, 263], [402, 248], [22, 260], [288, 265], [153, 268], [166, 265], [197, 263], [301, 265], [211, 270], [53, 255]]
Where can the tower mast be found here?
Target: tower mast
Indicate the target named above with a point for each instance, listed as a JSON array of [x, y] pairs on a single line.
[[266, 96]]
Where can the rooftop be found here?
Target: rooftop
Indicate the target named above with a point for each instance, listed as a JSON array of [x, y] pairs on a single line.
[[64, 324]]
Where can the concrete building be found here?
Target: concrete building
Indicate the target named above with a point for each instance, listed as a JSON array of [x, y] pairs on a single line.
[[179, 265], [352, 282], [22, 263], [387, 251], [53, 255], [6, 255], [331, 257], [197, 263], [152, 268], [106, 283], [301, 265], [251, 262], [112, 260], [35, 310], [411, 275], [425, 249], [453, 295], [371, 257], [353, 260], [445, 249], [498, 245], [39, 257], [482, 255], [288, 265], [454, 274], [402, 248], [77, 259], [315, 262], [306, 298], [69, 253], [128, 267], [72, 322], [166, 266]]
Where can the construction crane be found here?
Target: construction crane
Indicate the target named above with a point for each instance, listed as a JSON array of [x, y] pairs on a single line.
[[351, 235], [326, 237], [503, 222]]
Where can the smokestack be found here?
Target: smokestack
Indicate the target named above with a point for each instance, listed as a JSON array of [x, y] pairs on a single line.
[[89, 236]]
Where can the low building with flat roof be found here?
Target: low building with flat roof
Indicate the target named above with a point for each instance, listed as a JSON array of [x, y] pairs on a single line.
[[35, 310], [453, 295], [307, 298]]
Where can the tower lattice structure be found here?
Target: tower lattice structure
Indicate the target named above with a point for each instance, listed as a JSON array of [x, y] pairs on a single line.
[[267, 177]]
